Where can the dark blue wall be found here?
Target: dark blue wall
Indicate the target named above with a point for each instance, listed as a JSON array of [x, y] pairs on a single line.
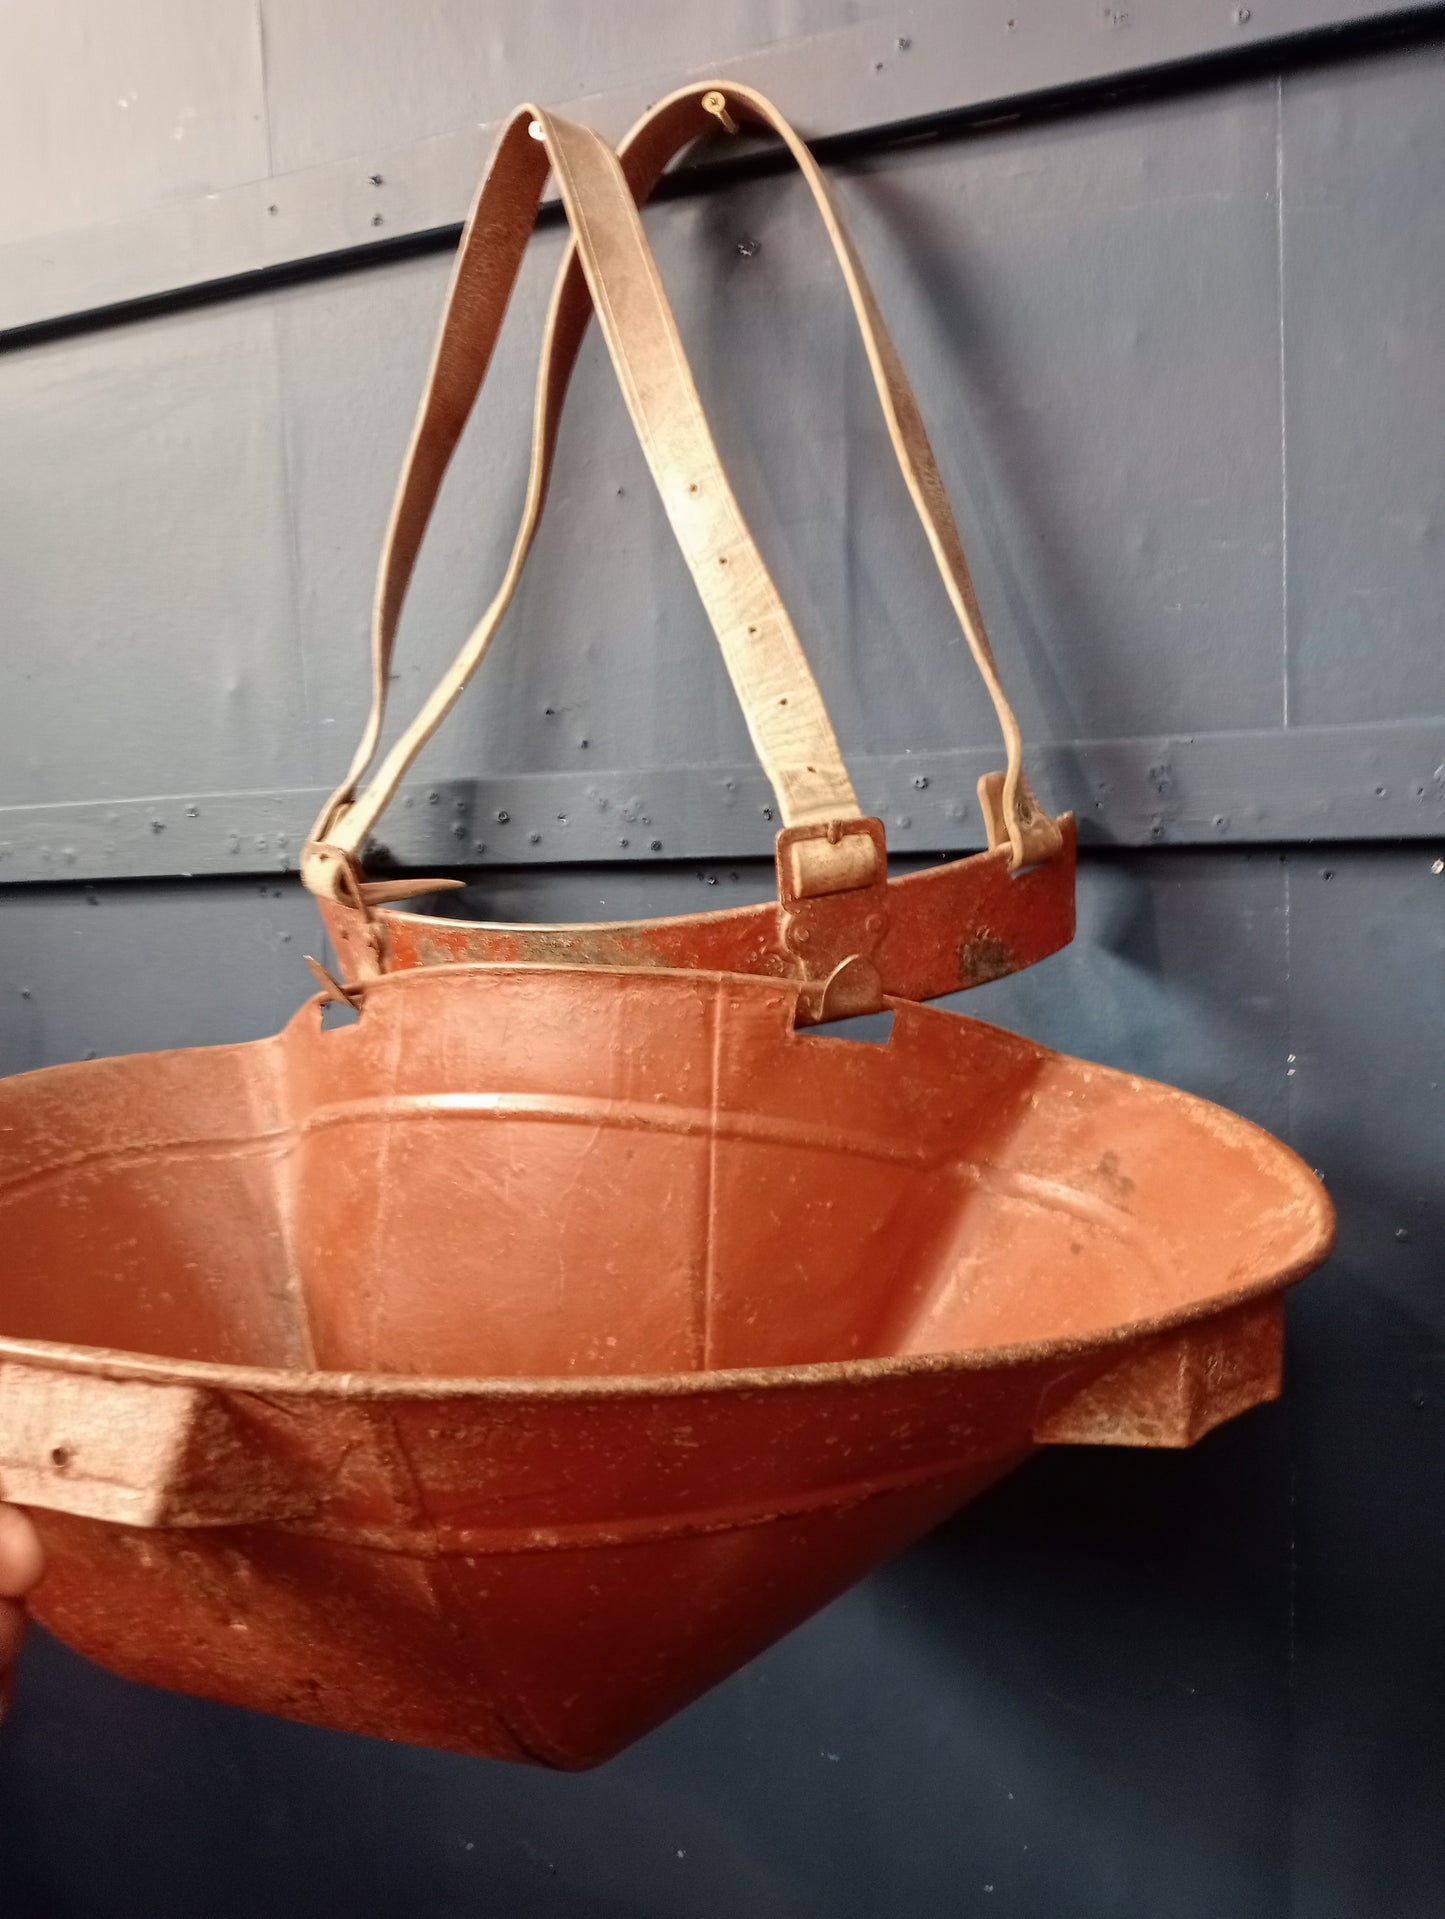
[[1182, 353]]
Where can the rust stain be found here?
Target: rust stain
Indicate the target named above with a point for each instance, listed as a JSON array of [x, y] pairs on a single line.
[[983, 957], [953, 926], [430, 953], [1109, 1171], [583, 946]]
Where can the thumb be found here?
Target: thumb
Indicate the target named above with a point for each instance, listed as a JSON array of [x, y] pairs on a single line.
[[21, 1558]]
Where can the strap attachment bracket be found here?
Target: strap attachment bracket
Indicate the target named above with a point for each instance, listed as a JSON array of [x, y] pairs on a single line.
[[833, 914]]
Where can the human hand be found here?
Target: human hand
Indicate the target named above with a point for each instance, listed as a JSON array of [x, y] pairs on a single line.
[[21, 1564]]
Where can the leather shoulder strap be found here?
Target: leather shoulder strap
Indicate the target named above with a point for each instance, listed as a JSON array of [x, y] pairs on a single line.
[[463, 353], [784, 710], [1011, 812]]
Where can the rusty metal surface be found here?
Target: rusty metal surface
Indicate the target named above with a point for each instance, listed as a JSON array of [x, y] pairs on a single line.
[[1098, 1634], [928, 933], [532, 1289]]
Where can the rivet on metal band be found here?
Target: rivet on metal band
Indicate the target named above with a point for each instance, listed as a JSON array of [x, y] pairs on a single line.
[[716, 104]]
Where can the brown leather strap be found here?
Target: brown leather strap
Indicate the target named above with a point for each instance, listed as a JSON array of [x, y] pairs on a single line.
[[750, 601], [1011, 812], [785, 713]]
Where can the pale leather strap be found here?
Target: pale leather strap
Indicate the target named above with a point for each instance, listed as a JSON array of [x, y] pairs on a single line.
[[1011, 813], [784, 710]]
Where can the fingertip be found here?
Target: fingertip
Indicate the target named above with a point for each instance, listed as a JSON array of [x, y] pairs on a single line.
[[22, 1558]]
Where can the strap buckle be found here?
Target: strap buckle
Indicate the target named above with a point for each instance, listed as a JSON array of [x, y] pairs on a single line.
[[833, 914]]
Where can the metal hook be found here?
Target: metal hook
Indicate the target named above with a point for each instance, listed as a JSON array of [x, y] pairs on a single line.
[[332, 989], [716, 104]]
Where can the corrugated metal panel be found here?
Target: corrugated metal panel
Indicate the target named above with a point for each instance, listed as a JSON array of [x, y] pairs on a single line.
[[1366, 1371], [1363, 345], [844, 67], [145, 545], [88, 972], [110, 110], [398, 75], [1092, 309], [1301, 784]]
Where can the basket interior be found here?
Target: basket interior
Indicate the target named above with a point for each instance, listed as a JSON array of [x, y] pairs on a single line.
[[540, 1173]]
